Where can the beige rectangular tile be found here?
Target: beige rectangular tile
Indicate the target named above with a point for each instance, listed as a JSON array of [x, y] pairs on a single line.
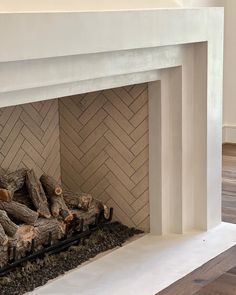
[[118, 117], [10, 123], [141, 201], [92, 167], [119, 214], [120, 161], [119, 146], [72, 131], [141, 187], [120, 201], [12, 152], [33, 153], [141, 215], [139, 101], [119, 132], [93, 123], [140, 130], [5, 114], [32, 112], [52, 126], [138, 89], [16, 160], [53, 160], [8, 142], [33, 127], [140, 145], [92, 109], [123, 93], [88, 98], [45, 108], [94, 151], [31, 138], [51, 142], [140, 173], [68, 116], [115, 182], [50, 114], [71, 146], [139, 116], [72, 106], [71, 171], [145, 224], [120, 174], [75, 162], [141, 158], [67, 181], [104, 197], [93, 180], [118, 103], [93, 137], [30, 163], [100, 188]]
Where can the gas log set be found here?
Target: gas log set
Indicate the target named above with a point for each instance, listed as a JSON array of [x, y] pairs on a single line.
[[37, 215]]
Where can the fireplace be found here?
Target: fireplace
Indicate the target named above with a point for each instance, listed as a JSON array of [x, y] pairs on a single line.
[[95, 142], [129, 112]]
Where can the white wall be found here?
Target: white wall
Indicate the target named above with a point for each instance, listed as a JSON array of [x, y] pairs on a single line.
[[229, 116], [203, 2], [67, 5], [229, 73]]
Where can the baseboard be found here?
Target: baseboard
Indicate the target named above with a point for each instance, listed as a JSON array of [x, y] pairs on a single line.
[[229, 134]]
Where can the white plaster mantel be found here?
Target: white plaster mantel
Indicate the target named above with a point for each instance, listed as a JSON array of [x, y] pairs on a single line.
[[53, 54]]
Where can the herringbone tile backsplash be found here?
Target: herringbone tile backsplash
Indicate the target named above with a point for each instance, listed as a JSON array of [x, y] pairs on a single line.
[[29, 137], [104, 149]]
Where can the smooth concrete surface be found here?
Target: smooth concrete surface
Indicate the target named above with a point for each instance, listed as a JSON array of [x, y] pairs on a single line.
[[53, 34], [145, 266]]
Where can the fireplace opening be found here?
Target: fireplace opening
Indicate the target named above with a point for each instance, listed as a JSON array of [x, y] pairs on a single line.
[[74, 170]]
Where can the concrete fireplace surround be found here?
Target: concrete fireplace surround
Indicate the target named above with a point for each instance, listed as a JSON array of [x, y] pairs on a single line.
[[179, 53]]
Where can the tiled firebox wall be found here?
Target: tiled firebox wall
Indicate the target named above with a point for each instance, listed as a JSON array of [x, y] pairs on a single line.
[[97, 143], [104, 149], [29, 137]]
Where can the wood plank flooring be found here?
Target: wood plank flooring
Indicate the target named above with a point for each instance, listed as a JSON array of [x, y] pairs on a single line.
[[218, 276], [229, 183], [224, 285], [200, 280]]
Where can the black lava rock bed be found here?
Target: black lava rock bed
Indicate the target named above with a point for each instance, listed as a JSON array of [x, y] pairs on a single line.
[[37, 273]]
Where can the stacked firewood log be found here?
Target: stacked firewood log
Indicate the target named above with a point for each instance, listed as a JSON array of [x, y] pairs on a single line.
[[36, 208]]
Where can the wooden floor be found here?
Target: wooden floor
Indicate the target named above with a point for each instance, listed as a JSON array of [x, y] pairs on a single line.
[[217, 277], [209, 279], [229, 183]]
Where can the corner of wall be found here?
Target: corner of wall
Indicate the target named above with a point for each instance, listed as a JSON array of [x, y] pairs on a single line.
[[229, 134]]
